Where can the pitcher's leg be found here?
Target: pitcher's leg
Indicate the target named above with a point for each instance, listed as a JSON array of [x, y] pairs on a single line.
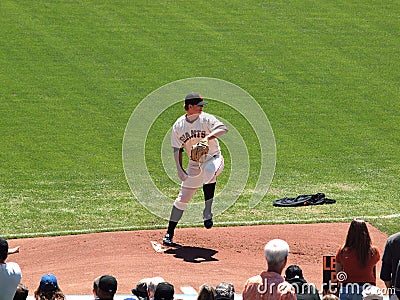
[[208, 190], [185, 194]]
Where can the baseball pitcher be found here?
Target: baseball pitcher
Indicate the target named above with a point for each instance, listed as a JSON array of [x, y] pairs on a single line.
[[195, 132]]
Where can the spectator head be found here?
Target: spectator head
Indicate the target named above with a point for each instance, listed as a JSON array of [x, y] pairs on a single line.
[[3, 249], [48, 283], [140, 291], [105, 286], [358, 233], [372, 292], [21, 293], [276, 253], [206, 292], [48, 288], [330, 297], [292, 272], [152, 285], [225, 291], [164, 291], [359, 240]]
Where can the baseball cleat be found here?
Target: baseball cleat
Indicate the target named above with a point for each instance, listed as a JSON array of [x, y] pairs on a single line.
[[167, 240], [208, 223]]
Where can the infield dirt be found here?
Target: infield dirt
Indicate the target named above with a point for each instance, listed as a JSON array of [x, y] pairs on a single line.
[[230, 254]]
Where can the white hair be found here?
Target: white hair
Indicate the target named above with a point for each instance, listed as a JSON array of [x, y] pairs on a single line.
[[276, 251], [153, 282]]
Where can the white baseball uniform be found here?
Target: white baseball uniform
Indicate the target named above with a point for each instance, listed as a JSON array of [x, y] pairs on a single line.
[[185, 134]]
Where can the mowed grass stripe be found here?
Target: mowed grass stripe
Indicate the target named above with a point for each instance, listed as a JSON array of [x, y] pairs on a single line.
[[325, 74]]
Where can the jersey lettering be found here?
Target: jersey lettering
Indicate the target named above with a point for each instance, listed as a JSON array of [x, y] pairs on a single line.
[[194, 134]]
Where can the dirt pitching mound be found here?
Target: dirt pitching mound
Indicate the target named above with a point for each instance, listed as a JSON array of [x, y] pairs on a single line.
[[230, 254]]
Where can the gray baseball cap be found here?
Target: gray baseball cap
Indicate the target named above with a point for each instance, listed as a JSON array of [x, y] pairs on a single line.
[[195, 99]]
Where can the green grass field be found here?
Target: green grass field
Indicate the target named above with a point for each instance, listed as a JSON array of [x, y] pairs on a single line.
[[72, 72]]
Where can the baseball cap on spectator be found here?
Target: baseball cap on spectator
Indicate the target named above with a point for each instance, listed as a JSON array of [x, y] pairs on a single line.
[[195, 99], [108, 284], [293, 271], [224, 291], [48, 283], [164, 291], [372, 292]]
